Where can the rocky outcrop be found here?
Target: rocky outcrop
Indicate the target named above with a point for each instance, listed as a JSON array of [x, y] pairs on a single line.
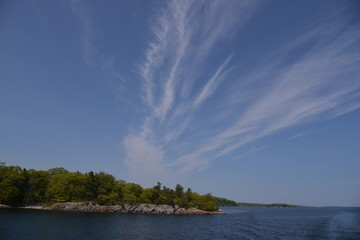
[[83, 207], [127, 208], [4, 206]]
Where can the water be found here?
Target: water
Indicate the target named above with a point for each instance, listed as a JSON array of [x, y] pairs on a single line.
[[240, 223]]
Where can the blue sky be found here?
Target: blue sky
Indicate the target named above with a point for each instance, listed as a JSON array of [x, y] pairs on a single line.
[[255, 101]]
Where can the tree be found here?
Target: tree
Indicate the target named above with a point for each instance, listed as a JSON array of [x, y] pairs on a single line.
[[37, 183], [118, 192], [58, 170], [168, 196], [179, 191], [204, 202], [92, 185], [67, 187], [157, 187], [12, 185], [105, 185], [224, 202], [149, 195], [133, 193]]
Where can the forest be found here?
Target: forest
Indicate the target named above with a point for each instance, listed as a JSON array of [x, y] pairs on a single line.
[[22, 187], [230, 203]]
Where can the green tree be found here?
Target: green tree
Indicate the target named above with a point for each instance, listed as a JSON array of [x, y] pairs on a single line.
[[105, 185], [149, 195], [92, 186], [133, 193], [168, 196], [224, 202], [67, 187], [12, 185], [179, 191], [37, 183], [118, 192], [204, 202], [58, 170]]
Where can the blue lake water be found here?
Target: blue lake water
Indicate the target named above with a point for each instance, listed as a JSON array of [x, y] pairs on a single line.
[[240, 223]]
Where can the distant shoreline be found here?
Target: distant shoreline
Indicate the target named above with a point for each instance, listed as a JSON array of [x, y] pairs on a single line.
[[230, 203]]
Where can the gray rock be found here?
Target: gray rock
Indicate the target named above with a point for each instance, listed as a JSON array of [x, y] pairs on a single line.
[[4, 206], [126, 208]]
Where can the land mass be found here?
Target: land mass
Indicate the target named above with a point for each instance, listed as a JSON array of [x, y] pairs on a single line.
[[59, 189], [230, 203]]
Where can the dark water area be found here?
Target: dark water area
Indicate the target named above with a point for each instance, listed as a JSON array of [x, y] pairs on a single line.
[[240, 223]]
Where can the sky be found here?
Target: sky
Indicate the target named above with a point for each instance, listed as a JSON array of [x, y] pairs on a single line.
[[256, 101]]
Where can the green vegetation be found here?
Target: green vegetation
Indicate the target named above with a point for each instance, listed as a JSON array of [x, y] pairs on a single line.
[[21, 187], [225, 202], [276, 205], [230, 203]]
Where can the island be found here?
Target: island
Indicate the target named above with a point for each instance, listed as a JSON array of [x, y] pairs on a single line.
[[60, 189]]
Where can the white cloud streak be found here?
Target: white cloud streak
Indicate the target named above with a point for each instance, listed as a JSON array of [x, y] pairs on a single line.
[[184, 32], [81, 12], [146, 162], [298, 135], [320, 84]]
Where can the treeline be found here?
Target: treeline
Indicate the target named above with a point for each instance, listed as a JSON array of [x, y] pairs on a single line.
[[224, 202], [276, 205], [231, 203], [22, 187]]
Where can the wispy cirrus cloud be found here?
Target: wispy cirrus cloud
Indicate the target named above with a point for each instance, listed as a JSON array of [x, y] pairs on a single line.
[[298, 135], [316, 86], [176, 89], [185, 32], [197, 108], [81, 12]]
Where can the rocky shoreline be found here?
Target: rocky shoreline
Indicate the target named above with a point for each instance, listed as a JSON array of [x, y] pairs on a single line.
[[126, 208], [4, 206]]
